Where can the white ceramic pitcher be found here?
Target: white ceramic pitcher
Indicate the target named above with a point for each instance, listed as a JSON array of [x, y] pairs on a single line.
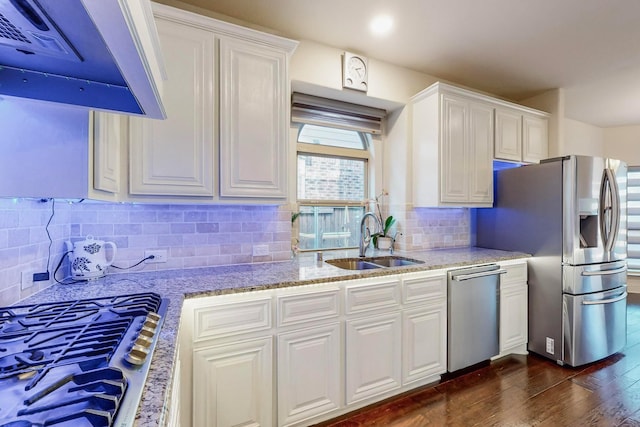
[[88, 258]]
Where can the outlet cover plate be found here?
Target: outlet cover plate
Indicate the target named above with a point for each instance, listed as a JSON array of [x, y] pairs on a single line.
[[26, 280]]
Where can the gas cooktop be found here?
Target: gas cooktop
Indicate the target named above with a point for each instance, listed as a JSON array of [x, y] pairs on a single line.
[[77, 363]]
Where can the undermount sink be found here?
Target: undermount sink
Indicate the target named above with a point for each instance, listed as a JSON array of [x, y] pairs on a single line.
[[352, 264], [394, 261], [372, 262]]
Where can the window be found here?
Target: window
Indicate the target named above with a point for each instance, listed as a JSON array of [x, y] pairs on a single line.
[[335, 166], [633, 220], [332, 185]]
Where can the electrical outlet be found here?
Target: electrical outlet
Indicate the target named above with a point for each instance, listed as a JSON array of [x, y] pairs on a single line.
[[260, 250], [27, 280], [160, 255], [550, 345]]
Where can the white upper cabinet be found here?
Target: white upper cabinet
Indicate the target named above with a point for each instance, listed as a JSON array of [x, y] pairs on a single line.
[[225, 138], [535, 139], [175, 157], [521, 135], [107, 134], [452, 149], [508, 143], [456, 134], [253, 120]]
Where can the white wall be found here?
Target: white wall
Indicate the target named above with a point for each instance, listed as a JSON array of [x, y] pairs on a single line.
[[397, 158], [582, 138], [567, 136], [316, 69], [623, 143]]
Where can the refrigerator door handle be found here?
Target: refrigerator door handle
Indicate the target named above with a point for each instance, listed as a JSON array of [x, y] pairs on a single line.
[[461, 277], [609, 214], [604, 272], [606, 301]]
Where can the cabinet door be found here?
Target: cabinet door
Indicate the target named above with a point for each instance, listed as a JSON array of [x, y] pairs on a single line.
[[453, 174], [107, 135], [232, 384], [508, 140], [480, 154], [513, 317], [424, 335], [373, 356], [253, 120], [309, 373], [175, 156], [535, 139]]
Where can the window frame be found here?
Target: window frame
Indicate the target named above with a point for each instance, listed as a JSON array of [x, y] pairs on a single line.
[[365, 154]]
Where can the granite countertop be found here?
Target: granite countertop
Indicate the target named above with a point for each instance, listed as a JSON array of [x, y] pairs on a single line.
[[176, 285]]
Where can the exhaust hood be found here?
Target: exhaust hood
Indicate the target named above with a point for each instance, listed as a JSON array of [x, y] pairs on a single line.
[[99, 54]]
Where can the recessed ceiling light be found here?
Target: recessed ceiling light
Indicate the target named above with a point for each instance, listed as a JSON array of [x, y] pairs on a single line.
[[381, 25]]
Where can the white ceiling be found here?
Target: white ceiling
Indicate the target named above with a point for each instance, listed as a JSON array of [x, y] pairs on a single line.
[[511, 48]]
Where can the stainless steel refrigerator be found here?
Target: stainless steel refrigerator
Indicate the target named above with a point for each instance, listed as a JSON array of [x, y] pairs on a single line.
[[570, 214]]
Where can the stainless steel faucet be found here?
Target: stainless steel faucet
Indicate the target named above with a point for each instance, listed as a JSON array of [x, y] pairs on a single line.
[[365, 233]]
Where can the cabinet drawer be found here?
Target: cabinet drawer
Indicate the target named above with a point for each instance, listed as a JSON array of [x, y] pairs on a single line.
[[423, 289], [516, 273], [309, 306], [231, 318], [373, 295]]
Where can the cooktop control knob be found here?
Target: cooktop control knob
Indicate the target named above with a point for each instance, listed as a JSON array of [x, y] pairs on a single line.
[[137, 355], [140, 347]]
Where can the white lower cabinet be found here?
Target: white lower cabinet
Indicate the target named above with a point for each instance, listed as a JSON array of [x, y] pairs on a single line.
[[233, 384], [299, 355], [227, 357], [373, 356], [513, 308], [309, 373], [424, 335], [513, 330]]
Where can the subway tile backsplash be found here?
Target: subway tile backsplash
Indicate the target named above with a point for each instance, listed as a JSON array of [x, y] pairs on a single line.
[[193, 235], [433, 228]]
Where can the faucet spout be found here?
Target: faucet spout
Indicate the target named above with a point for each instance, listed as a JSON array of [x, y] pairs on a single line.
[[365, 232]]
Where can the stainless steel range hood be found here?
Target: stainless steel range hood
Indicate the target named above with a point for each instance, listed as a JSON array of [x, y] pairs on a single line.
[[100, 54]]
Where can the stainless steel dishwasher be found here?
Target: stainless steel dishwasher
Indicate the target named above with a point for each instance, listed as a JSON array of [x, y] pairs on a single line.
[[473, 302]]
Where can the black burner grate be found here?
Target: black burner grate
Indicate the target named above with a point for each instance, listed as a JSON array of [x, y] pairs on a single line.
[[55, 359]]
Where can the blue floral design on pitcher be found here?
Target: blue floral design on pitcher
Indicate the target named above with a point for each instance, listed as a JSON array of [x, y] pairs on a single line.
[[93, 248]]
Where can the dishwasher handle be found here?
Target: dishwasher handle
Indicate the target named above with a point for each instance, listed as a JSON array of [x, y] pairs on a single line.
[[461, 277]]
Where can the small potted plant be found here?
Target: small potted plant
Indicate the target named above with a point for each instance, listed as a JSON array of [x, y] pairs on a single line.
[[383, 240]]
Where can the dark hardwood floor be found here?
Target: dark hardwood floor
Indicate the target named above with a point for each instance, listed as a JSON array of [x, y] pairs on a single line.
[[523, 391]]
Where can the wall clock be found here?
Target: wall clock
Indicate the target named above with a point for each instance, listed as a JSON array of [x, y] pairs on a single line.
[[355, 72]]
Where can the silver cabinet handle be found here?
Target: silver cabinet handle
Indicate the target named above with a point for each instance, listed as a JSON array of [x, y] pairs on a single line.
[[604, 272], [606, 301], [462, 277]]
